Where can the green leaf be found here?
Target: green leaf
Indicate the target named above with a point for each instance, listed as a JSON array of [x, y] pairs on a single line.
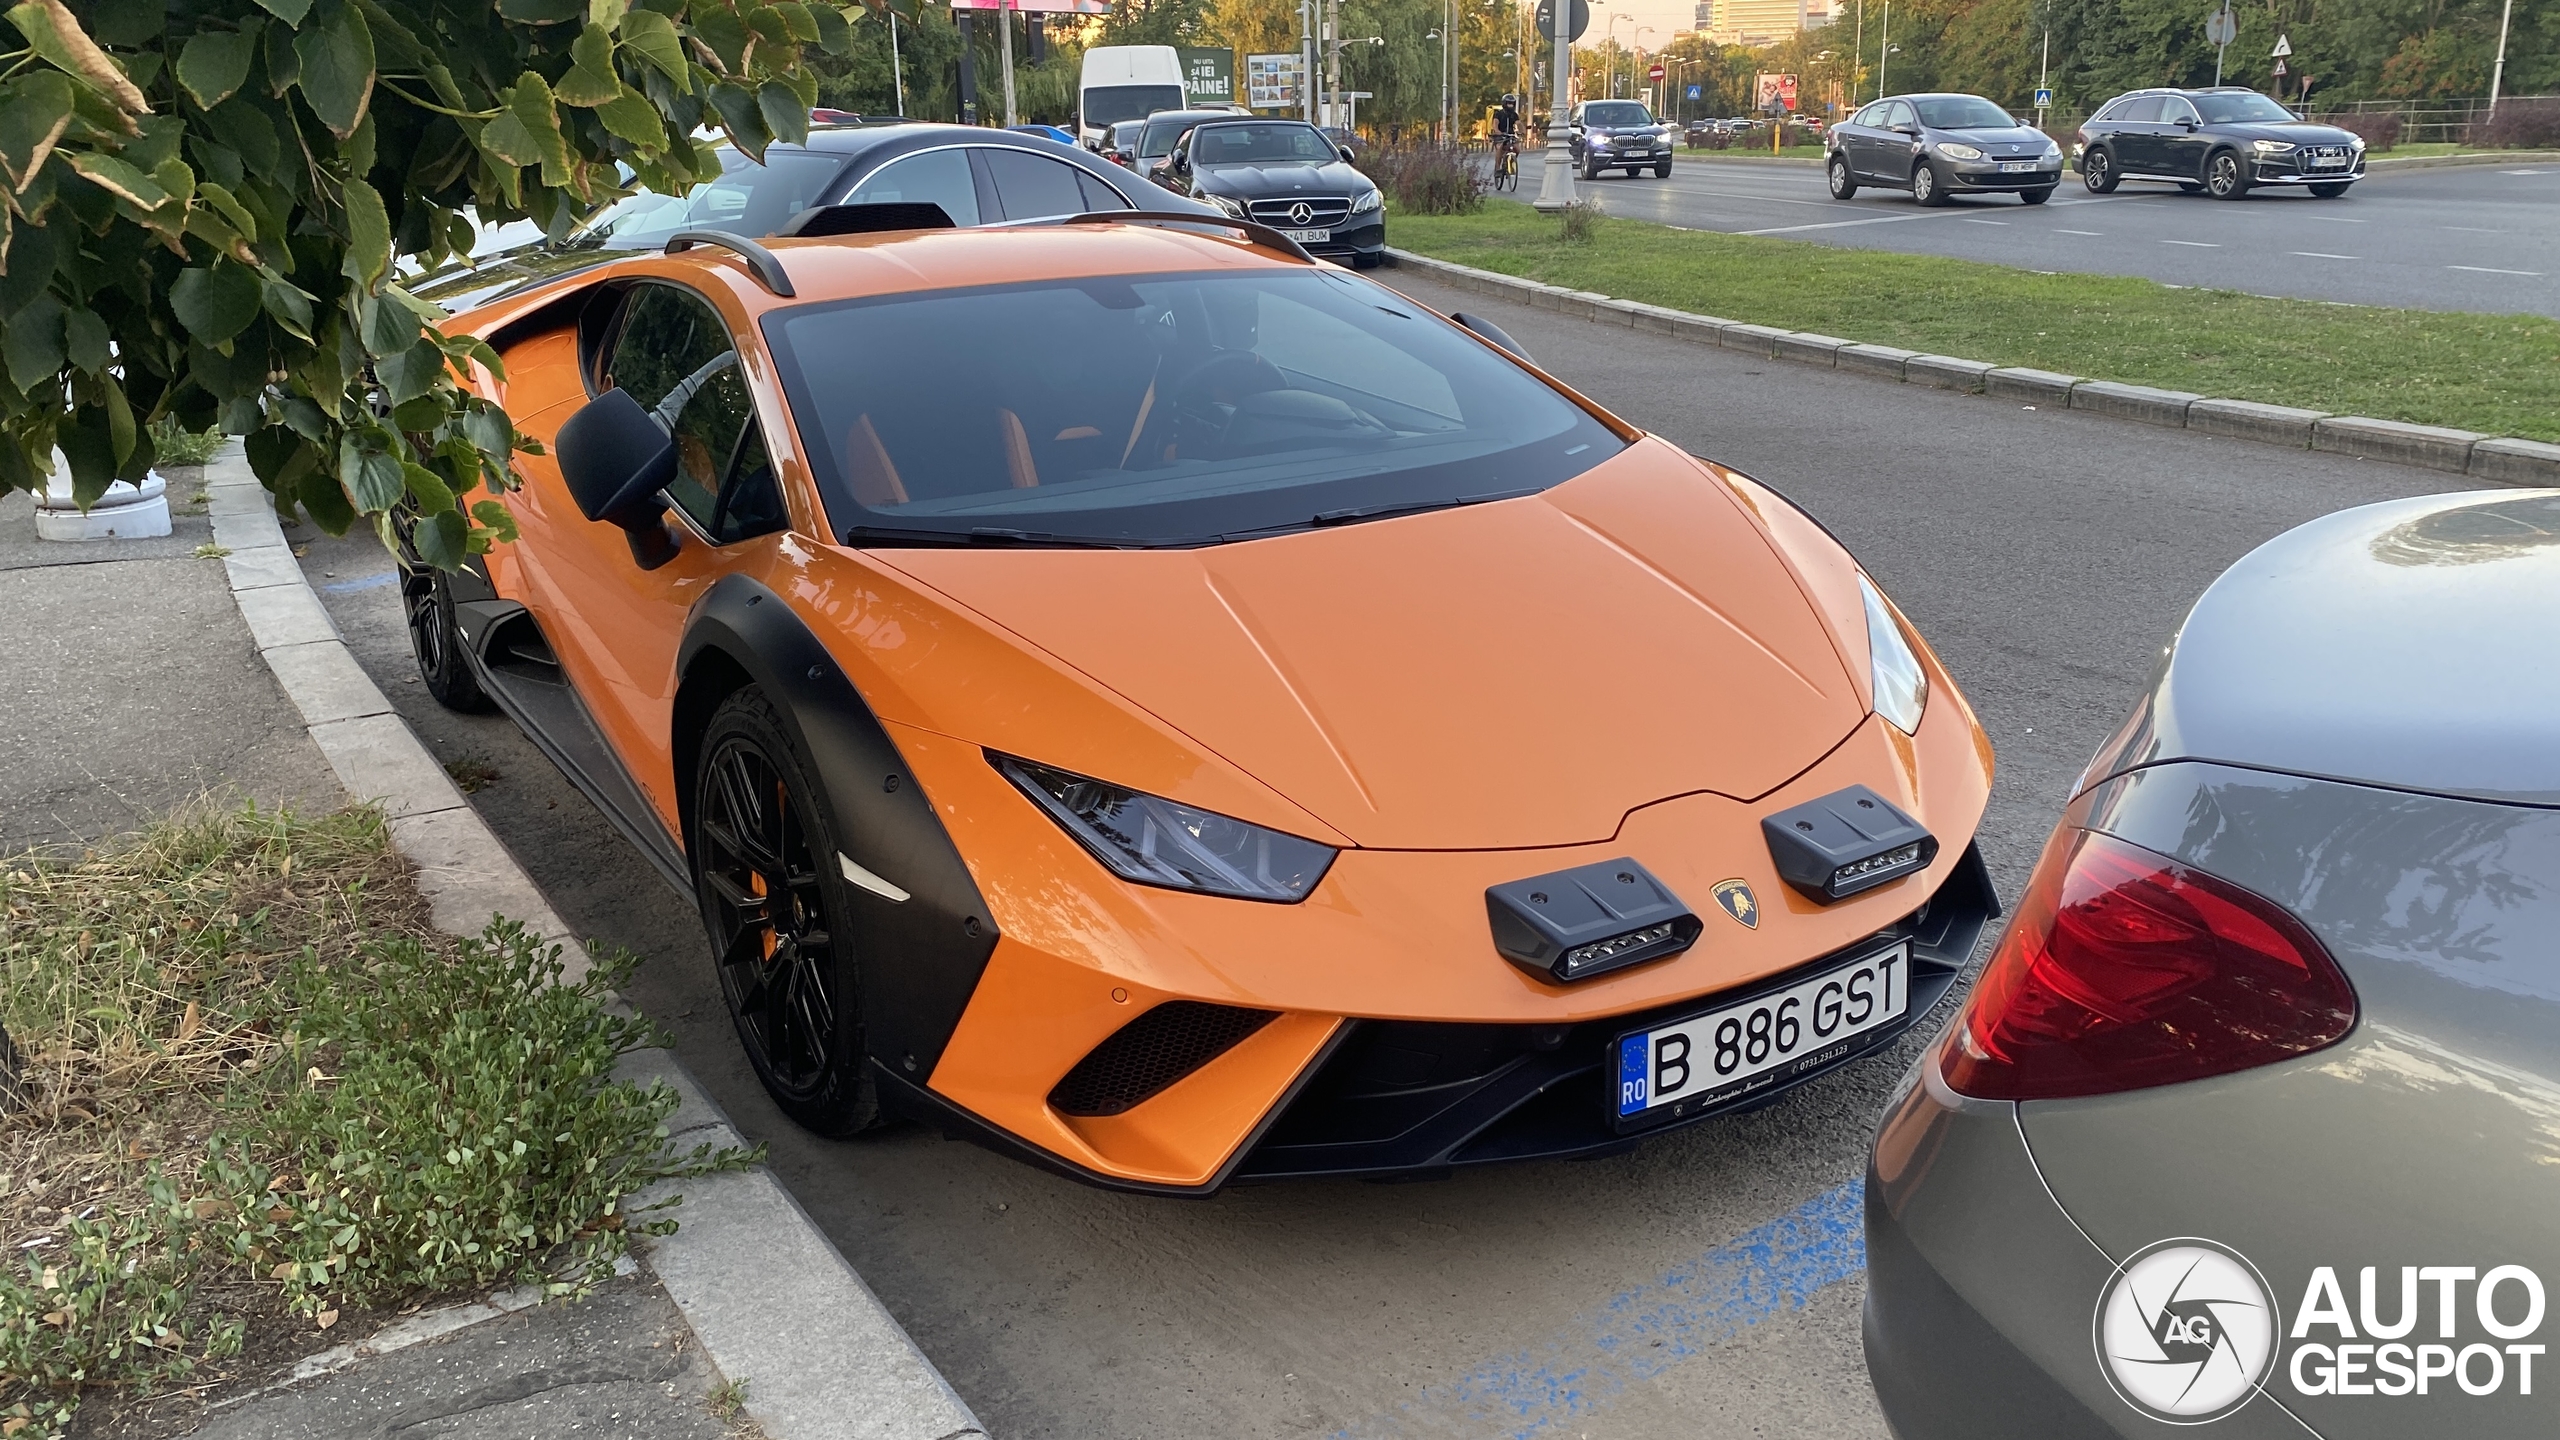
[[389, 326], [54, 33], [785, 113], [500, 520], [279, 457], [337, 68], [835, 34], [129, 24], [84, 336], [89, 447], [284, 67], [412, 372], [541, 12], [368, 235], [531, 105], [32, 343], [725, 32], [119, 179], [228, 206], [121, 431], [590, 81], [630, 116], [607, 14], [325, 500], [34, 111], [741, 117], [443, 539], [427, 488], [420, 415], [653, 38], [288, 11], [373, 479], [246, 129], [216, 62]]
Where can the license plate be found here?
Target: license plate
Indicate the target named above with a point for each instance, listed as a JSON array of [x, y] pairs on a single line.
[[1309, 237], [1731, 1051], [2019, 167], [2328, 162]]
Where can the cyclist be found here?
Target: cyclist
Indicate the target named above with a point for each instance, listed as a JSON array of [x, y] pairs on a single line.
[[1506, 134]]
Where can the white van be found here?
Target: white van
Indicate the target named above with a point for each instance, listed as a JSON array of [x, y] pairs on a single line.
[[1125, 82]]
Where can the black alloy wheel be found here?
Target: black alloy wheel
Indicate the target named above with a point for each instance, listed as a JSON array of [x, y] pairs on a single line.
[[1843, 183], [2328, 192], [436, 640], [1924, 184], [2098, 172], [2225, 176], [2035, 197], [775, 906]]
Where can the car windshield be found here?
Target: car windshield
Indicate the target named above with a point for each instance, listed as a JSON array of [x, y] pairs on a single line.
[[748, 199], [1615, 113], [1158, 140], [2238, 109], [1963, 112], [1264, 143], [1159, 410], [1111, 104]]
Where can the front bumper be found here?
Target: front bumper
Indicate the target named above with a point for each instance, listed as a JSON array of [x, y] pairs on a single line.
[[1366, 236], [2288, 170], [1986, 175], [1630, 155]]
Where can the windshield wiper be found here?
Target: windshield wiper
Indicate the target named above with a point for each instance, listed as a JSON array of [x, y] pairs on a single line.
[[1355, 513], [983, 537]]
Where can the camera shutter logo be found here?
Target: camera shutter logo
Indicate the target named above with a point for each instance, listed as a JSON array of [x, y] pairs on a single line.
[[2186, 1330]]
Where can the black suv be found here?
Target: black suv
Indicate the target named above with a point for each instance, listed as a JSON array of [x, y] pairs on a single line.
[[1608, 134], [2224, 141]]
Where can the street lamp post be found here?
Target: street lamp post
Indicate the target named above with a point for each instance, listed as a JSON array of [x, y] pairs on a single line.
[[1555, 189], [1884, 48], [2498, 68]]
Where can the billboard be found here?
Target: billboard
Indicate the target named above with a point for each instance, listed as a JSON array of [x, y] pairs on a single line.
[[1774, 92], [1274, 82], [1208, 74]]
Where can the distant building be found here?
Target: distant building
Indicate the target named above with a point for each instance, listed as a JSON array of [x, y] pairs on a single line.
[[1761, 22]]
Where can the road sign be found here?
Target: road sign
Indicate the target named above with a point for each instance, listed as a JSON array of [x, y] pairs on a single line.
[[2222, 27], [1654, 74], [1580, 17], [1697, 92], [2044, 99], [2284, 46], [2279, 67]]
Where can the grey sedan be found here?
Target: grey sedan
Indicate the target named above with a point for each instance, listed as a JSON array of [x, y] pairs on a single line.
[[1939, 146], [2253, 1118]]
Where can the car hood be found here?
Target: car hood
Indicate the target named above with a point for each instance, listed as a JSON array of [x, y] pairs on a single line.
[[1625, 129], [2296, 132], [1998, 139], [1513, 674], [1261, 182]]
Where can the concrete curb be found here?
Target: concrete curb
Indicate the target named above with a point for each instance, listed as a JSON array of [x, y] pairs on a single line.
[[2478, 157], [772, 1300], [2502, 460]]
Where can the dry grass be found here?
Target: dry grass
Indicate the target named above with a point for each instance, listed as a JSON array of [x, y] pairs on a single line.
[[132, 980]]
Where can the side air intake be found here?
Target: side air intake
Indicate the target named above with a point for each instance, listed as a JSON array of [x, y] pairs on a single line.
[[1150, 1053]]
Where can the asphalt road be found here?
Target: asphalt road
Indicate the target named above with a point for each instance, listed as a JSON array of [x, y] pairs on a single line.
[[1708, 1283], [2468, 237]]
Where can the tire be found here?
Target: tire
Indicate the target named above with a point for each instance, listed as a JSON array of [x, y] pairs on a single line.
[[427, 595], [1661, 169], [2191, 187], [1925, 188], [2328, 192], [2035, 197], [773, 904], [2098, 172], [1589, 170], [2225, 177], [1844, 182]]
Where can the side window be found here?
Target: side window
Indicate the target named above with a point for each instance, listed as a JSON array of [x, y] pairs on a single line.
[[1031, 186], [1098, 194], [940, 177], [1901, 114], [675, 356], [2174, 110], [1873, 115], [2142, 110]]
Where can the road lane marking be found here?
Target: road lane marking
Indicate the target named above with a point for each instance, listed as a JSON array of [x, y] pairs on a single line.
[[1970, 221], [2493, 270], [2195, 244], [2520, 172], [2080, 232], [2471, 230], [2322, 255], [1638, 1334], [2333, 219]]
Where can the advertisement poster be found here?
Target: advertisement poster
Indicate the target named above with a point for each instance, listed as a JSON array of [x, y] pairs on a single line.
[[1271, 82], [1208, 74], [1776, 92]]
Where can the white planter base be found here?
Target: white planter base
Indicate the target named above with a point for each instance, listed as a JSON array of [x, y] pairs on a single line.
[[125, 512]]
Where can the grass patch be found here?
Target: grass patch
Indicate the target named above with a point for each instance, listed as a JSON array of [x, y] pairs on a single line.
[[2499, 374], [174, 444], [254, 1087]]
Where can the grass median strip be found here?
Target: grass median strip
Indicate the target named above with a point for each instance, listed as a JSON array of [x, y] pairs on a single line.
[[2497, 374], [254, 1087]]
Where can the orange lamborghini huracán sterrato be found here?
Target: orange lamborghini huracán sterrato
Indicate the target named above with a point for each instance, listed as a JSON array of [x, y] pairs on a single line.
[[1182, 713]]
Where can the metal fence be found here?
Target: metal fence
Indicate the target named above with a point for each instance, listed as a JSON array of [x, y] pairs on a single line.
[[2425, 122]]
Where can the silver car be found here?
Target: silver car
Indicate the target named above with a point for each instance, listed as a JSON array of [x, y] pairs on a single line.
[[2253, 1118]]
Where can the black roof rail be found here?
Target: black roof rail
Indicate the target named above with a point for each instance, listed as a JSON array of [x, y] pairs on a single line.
[[768, 270], [1260, 235]]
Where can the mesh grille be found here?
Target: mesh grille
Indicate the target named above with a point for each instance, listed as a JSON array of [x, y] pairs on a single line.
[[1150, 1053]]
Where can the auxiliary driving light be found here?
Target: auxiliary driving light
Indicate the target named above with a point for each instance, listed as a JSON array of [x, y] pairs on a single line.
[[1574, 924], [1846, 842]]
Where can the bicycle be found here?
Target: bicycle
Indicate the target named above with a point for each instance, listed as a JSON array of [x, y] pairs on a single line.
[[1506, 163]]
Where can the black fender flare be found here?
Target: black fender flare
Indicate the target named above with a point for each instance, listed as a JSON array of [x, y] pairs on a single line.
[[921, 957]]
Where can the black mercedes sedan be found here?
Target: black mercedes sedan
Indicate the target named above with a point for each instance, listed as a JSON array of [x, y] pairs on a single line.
[[2224, 142], [1940, 146], [1286, 174]]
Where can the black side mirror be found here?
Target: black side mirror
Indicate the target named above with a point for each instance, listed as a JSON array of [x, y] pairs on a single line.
[[1347, 156], [616, 459]]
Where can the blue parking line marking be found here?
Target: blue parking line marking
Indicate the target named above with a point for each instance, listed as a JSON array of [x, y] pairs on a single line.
[[361, 582], [1636, 1335]]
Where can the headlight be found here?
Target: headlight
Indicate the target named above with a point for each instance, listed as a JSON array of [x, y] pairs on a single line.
[[1232, 207], [2356, 143], [1955, 151], [1599, 142], [1366, 203], [2271, 147], [2052, 150], [1157, 842], [1902, 689]]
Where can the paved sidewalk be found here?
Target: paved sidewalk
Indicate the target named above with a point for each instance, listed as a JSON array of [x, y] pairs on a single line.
[[129, 684]]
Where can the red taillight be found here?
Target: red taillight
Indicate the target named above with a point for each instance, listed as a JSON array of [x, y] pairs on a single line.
[[2126, 969]]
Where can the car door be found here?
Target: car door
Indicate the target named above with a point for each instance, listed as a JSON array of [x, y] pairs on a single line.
[[2138, 147], [2182, 138], [1862, 139], [1893, 143], [615, 626], [1037, 187], [941, 177]]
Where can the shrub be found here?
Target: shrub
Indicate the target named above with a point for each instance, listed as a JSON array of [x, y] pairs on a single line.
[[2381, 131], [1429, 179], [1582, 222], [175, 444], [2522, 125]]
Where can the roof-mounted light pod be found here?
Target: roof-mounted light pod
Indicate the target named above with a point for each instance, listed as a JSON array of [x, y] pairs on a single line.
[[1589, 920], [1846, 842]]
